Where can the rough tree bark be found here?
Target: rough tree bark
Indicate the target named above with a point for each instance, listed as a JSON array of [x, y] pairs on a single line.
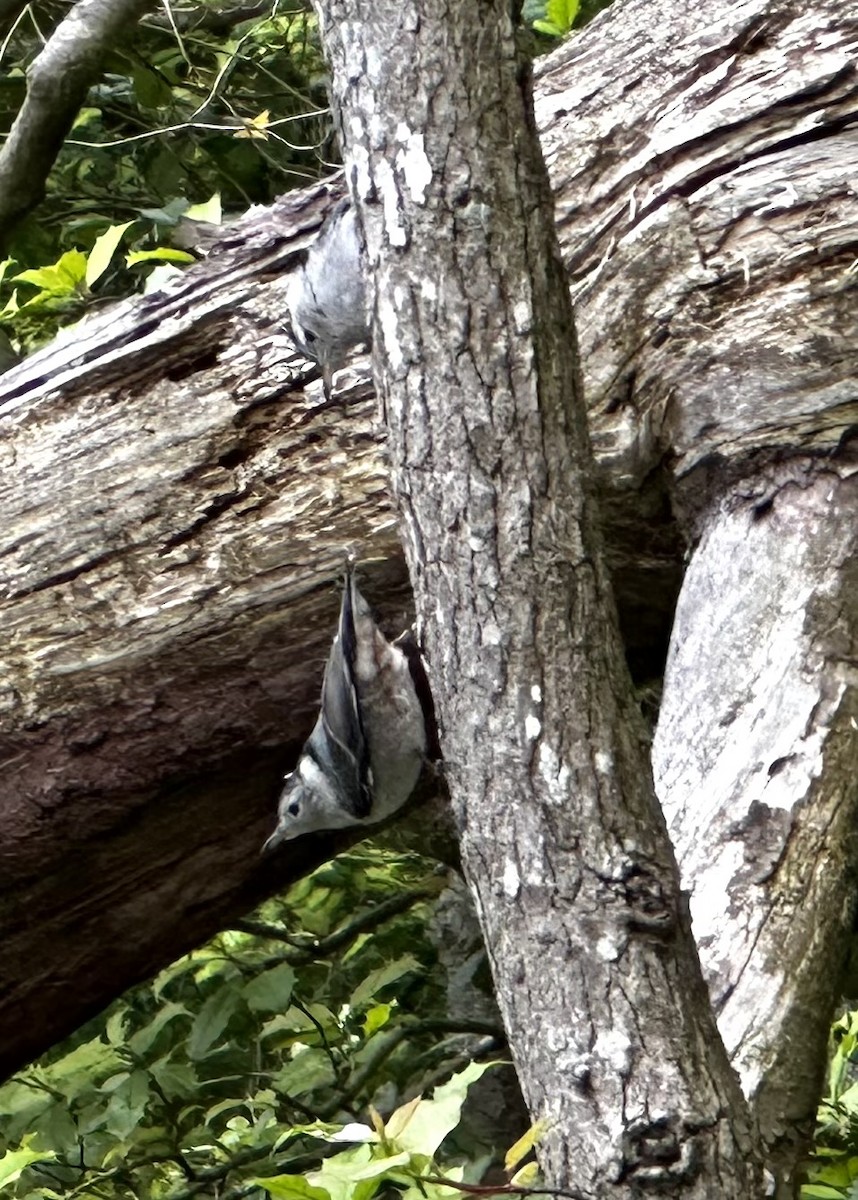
[[714, 211], [563, 840], [703, 167]]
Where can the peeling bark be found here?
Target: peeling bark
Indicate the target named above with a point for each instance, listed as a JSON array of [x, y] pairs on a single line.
[[703, 164]]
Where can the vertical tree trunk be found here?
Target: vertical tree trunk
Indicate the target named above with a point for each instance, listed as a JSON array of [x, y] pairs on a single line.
[[563, 841]]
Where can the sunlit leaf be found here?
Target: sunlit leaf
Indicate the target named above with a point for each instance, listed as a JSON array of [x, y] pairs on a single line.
[[165, 254], [290, 1187], [562, 12], [422, 1127], [343, 1175], [77, 1069], [224, 1106], [84, 116], [115, 1028], [61, 278], [558, 18], [527, 1176], [520, 1149], [13, 1162], [11, 306], [376, 1018], [103, 250], [210, 210], [255, 127], [401, 1117]]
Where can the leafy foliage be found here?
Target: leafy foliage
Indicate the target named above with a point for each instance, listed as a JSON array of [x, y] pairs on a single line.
[[833, 1173], [558, 19], [553, 20], [237, 1068], [204, 103], [400, 1152]]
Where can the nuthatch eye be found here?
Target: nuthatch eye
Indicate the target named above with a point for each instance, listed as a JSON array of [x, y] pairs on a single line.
[[367, 748], [327, 297]]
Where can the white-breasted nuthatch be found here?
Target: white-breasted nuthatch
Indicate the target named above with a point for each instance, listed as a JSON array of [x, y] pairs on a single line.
[[367, 748], [327, 297]]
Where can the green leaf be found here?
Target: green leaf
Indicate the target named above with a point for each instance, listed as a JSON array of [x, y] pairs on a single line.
[[14, 1162], [548, 28], [115, 1029], [817, 1191], [290, 1187], [103, 250], [57, 1128], [376, 1018], [169, 214], [224, 1106], [171, 973], [212, 1020], [308, 1070], [209, 211], [420, 1127], [380, 978], [142, 1041], [77, 1070], [150, 89], [177, 1081], [295, 1023], [559, 17], [271, 991], [159, 254], [11, 306], [526, 1177], [520, 1149], [84, 116], [60, 279], [849, 1099], [127, 1105], [562, 12], [354, 1174]]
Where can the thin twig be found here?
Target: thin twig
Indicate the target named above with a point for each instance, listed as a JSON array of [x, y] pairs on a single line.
[[500, 1189]]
